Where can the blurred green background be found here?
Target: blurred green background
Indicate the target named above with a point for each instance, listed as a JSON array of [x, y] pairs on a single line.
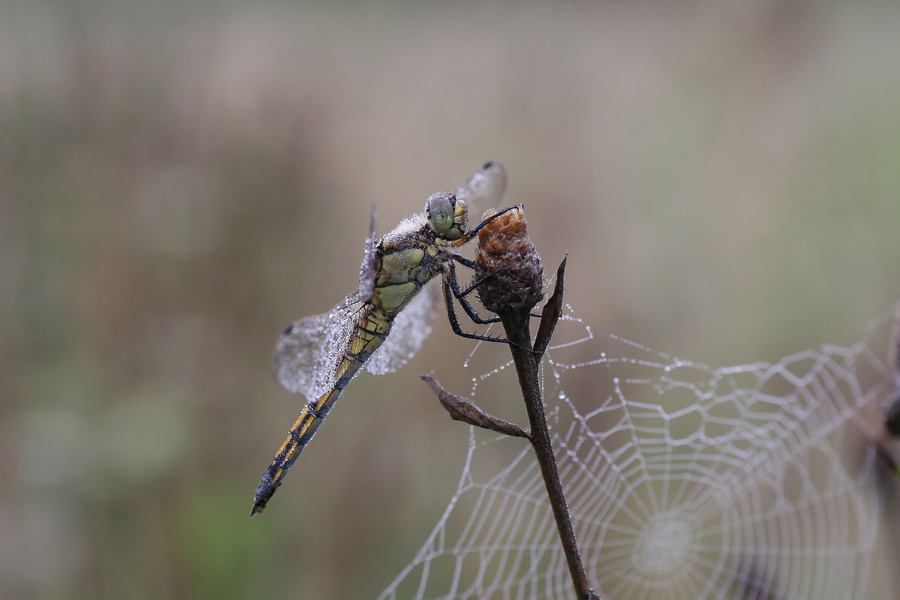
[[178, 181]]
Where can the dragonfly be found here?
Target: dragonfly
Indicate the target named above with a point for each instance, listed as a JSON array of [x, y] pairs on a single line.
[[385, 321]]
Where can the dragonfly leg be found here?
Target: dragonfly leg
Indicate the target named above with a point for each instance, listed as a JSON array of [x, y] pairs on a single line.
[[461, 294], [466, 262], [451, 312], [453, 284]]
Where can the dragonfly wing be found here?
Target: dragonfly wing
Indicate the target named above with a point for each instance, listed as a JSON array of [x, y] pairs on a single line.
[[368, 267], [408, 333], [295, 354], [308, 352], [484, 188]]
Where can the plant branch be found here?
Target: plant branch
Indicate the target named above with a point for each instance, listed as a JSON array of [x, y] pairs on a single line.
[[527, 362], [509, 276], [516, 325]]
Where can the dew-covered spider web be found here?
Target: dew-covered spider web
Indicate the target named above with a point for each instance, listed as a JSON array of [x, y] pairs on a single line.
[[684, 480]]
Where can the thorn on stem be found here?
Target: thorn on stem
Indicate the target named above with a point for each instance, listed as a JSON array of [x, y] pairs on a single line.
[[552, 312]]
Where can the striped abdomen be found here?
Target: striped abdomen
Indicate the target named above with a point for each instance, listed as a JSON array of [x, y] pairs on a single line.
[[371, 330]]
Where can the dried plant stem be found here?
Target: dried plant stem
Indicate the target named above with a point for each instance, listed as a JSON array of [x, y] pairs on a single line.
[[509, 282], [527, 363], [527, 359]]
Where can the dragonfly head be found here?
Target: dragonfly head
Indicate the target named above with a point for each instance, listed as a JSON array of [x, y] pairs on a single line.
[[446, 215]]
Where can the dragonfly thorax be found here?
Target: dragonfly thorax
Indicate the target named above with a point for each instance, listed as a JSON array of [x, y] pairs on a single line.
[[446, 215]]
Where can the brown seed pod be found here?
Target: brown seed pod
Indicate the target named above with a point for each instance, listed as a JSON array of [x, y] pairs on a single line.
[[507, 264]]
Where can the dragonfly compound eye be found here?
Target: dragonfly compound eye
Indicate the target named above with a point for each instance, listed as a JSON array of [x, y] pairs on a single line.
[[440, 210]]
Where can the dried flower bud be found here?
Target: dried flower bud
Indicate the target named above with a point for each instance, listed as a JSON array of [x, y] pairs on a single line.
[[509, 265]]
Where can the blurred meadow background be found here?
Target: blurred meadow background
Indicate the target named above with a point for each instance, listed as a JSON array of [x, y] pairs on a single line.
[[178, 181]]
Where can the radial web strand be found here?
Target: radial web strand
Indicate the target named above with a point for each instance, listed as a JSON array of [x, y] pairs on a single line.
[[684, 480]]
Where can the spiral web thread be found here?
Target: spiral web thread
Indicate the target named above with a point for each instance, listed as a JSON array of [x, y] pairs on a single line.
[[684, 481]]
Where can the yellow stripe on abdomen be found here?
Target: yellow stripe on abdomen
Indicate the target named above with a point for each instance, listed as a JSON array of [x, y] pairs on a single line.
[[373, 328], [303, 430]]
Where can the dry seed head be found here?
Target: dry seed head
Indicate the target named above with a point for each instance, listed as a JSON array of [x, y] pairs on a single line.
[[506, 256]]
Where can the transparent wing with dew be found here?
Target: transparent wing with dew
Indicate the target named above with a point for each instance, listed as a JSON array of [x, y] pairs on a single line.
[[293, 362], [483, 190], [411, 327], [367, 269], [308, 352]]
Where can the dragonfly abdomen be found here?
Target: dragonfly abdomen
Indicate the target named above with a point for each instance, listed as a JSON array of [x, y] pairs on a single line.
[[300, 434], [372, 330]]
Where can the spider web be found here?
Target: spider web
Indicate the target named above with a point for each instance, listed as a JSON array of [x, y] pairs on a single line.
[[684, 481]]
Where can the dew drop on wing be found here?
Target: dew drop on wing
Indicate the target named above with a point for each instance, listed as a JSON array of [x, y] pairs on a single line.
[[295, 356], [484, 189], [366, 287]]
